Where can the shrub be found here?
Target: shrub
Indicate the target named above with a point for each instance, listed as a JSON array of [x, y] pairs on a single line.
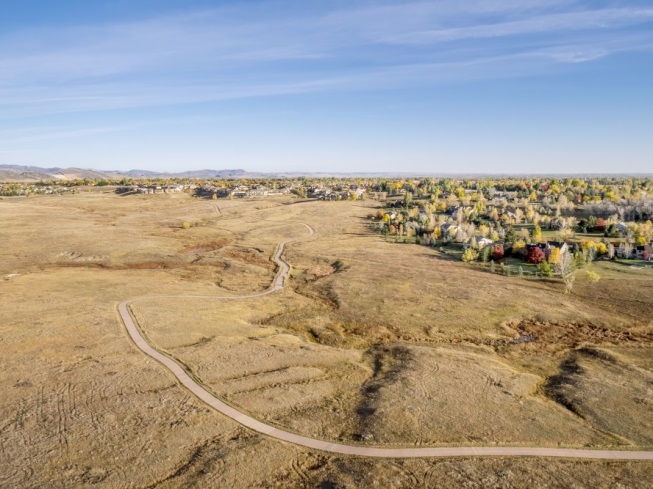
[[185, 225], [485, 254], [535, 255], [593, 276], [469, 255], [545, 269]]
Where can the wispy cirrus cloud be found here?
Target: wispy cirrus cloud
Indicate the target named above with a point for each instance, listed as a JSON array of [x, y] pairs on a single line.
[[44, 134], [239, 52], [550, 23]]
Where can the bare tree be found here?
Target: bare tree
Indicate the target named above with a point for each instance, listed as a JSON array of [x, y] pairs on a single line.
[[625, 250], [571, 222], [460, 215], [566, 269]]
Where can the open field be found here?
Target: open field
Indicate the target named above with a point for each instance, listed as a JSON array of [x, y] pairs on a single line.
[[371, 342]]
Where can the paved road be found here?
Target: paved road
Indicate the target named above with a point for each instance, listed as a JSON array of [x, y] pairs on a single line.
[[339, 448]]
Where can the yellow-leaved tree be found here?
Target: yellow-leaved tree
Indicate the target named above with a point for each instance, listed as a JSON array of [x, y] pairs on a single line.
[[537, 234], [519, 246], [554, 256], [602, 248], [469, 255]]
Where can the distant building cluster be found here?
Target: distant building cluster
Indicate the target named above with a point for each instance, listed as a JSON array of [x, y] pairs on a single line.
[[335, 192], [26, 189], [243, 191], [154, 189], [319, 192]]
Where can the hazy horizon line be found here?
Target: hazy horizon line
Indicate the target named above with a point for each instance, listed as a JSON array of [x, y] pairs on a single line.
[[326, 173]]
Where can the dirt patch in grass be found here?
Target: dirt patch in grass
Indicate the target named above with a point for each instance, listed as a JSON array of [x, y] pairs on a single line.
[[319, 271], [387, 363], [151, 265], [574, 334], [596, 384], [250, 256], [206, 247]]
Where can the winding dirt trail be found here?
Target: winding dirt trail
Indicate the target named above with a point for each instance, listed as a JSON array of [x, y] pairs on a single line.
[[198, 390]]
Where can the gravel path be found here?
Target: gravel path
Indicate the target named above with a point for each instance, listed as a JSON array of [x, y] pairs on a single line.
[[197, 389]]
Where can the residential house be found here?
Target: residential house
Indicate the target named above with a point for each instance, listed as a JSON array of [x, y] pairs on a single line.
[[478, 242], [643, 252], [239, 192], [626, 251], [561, 245], [259, 191], [548, 247], [448, 229]]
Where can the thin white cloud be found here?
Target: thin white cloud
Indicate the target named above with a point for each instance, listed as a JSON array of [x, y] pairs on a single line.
[[44, 135], [574, 21], [212, 38], [580, 55], [225, 54], [107, 96]]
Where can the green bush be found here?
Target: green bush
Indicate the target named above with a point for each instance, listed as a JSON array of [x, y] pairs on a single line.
[[593, 276], [545, 269]]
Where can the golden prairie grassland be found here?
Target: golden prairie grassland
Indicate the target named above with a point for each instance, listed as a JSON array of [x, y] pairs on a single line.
[[371, 342]]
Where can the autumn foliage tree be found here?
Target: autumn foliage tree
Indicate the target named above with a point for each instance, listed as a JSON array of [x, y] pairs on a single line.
[[469, 255], [519, 248], [600, 225], [497, 252], [554, 256], [535, 255], [537, 234]]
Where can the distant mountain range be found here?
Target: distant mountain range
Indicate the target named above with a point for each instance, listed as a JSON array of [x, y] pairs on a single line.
[[18, 173], [28, 173], [34, 173]]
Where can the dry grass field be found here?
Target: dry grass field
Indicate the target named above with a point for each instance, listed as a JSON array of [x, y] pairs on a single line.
[[371, 342]]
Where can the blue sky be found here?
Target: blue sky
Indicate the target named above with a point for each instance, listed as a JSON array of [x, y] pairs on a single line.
[[438, 86]]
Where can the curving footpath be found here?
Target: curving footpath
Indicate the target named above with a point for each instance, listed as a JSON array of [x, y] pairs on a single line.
[[193, 386]]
